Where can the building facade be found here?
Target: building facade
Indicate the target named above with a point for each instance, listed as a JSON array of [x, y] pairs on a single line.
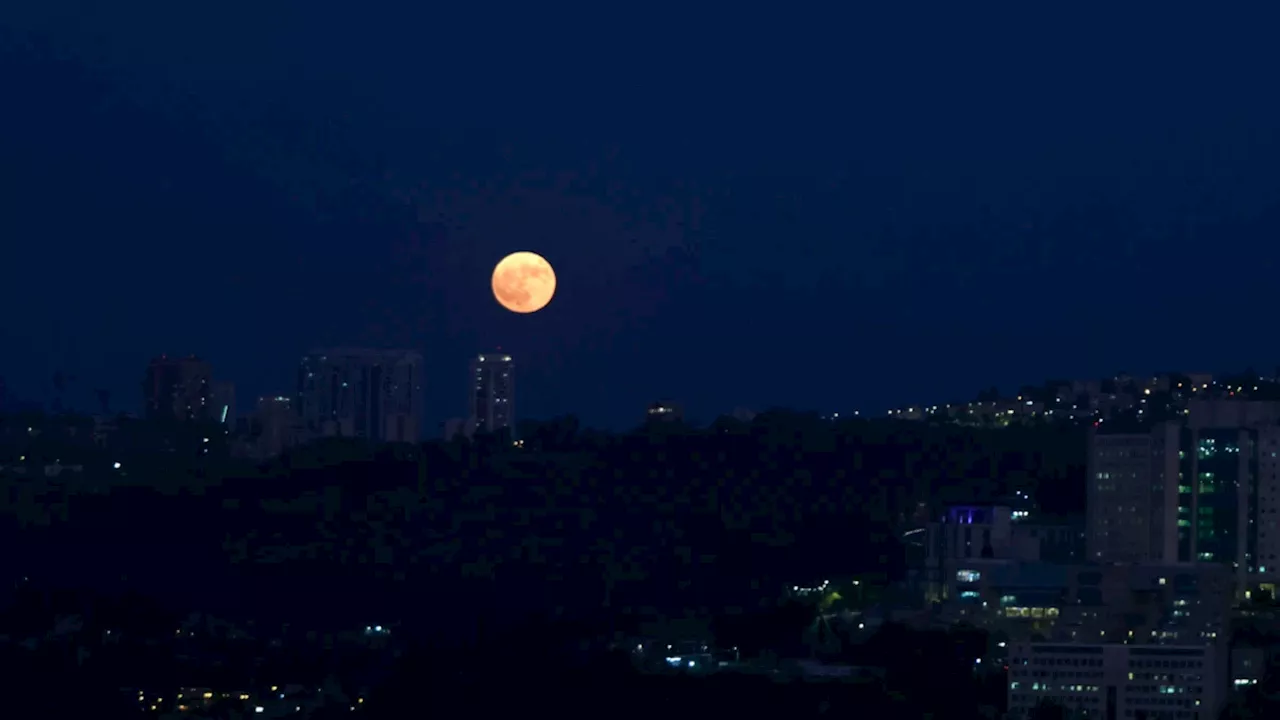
[[1202, 489], [1153, 602], [1116, 680], [491, 401], [1132, 495], [178, 389], [361, 393], [1114, 641], [275, 428], [992, 532]]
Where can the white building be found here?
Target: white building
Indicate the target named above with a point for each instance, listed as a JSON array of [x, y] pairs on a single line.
[[1120, 681]]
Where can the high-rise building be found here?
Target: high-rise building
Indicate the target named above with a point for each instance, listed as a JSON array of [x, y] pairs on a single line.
[[1264, 511], [361, 393], [492, 403], [1228, 481], [1206, 489], [178, 389], [1132, 495]]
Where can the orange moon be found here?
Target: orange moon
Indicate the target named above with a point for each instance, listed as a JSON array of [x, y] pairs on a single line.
[[523, 282]]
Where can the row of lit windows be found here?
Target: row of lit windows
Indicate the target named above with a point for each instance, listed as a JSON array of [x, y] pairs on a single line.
[[1175, 664], [1033, 612], [1057, 674], [1046, 687], [1181, 689], [1060, 661]]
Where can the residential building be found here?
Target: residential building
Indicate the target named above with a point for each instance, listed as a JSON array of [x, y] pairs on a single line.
[[1132, 495], [492, 394], [178, 389], [361, 393]]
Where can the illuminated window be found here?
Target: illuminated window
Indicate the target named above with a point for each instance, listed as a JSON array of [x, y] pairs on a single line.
[[968, 576]]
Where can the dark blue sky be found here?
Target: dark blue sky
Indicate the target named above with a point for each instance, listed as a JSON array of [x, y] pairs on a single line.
[[831, 212]]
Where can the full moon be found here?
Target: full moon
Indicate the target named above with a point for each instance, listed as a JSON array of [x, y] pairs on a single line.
[[524, 282]]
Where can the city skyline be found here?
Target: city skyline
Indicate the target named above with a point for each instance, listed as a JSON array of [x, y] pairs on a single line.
[[1050, 394], [354, 213], [361, 392], [888, 361]]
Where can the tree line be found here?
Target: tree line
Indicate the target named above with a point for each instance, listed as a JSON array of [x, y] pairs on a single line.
[[666, 519]]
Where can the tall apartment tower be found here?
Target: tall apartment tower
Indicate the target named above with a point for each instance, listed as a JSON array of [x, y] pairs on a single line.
[[1227, 499], [178, 389], [1203, 490], [1132, 495], [361, 393], [492, 402]]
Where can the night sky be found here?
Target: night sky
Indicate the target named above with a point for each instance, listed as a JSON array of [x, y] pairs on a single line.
[[823, 211]]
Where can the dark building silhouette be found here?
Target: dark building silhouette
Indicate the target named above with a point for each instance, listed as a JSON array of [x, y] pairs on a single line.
[[492, 402], [178, 389], [361, 393], [275, 427]]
